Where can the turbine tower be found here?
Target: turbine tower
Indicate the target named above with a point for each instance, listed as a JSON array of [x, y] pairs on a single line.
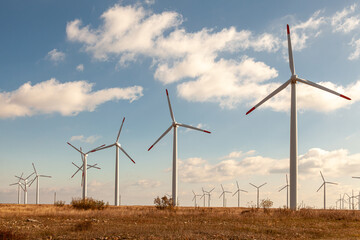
[[18, 183], [238, 192], [257, 187], [117, 145], [293, 120], [194, 198], [203, 196], [37, 178], [209, 195], [175, 125], [84, 167], [287, 191], [324, 184], [223, 195]]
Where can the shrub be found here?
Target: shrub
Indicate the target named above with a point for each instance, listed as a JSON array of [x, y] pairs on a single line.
[[59, 203], [266, 204], [163, 203], [88, 203]]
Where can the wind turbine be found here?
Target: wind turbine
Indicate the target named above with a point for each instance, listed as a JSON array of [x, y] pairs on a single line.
[[257, 187], [203, 196], [293, 119], [117, 145], [287, 191], [324, 184], [223, 194], [84, 168], [175, 125], [209, 195], [18, 183], [238, 192], [25, 185], [37, 177], [195, 195]]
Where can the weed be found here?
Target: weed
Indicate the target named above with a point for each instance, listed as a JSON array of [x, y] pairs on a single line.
[[88, 203]]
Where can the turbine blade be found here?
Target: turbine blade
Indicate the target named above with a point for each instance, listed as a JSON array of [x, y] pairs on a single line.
[[243, 190], [322, 176], [33, 181], [29, 175], [262, 185], [76, 172], [237, 184], [253, 185], [44, 176], [96, 149], [320, 187], [191, 127], [167, 130], [332, 183], [287, 181], [221, 194], [211, 190], [34, 169], [13, 184], [222, 187], [193, 192], [75, 165], [126, 154], [356, 177], [75, 148], [108, 146], [270, 96], [171, 112], [282, 188], [291, 60], [321, 87], [236, 192], [194, 197], [117, 139]]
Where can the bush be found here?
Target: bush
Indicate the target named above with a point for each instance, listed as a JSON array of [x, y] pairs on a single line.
[[88, 203], [266, 203], [163, 203], [59, 203]]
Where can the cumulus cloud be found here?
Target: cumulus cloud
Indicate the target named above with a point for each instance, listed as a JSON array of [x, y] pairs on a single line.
[[81, 138], [345, 21], [201, 63], [80, 67], [147, 183], [335, 163], [56, 56], [67, 98]]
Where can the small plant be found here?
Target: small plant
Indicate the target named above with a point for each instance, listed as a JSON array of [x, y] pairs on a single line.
[[266, 204], [163, 203], [88, 203], [59, 203]]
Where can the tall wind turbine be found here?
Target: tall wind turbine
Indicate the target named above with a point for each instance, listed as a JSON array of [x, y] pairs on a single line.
[[287, 191], [293, 119], [223, 195], [37, 177], [175, 125], [84, 168], [18, 183], [238, 192], [24, 185], [209, 195], [324, 184], [117, 145], [257, 188], [194, 198]]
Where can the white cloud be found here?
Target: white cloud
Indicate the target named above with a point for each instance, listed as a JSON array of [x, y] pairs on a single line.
[[356, 44], [67, 98], [238, 154], [343, 22], [147, 183], [80, 67], [81, 138], [334, 163], [56, 56]]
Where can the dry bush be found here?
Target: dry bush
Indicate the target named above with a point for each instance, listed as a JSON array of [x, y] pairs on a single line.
[[59, 203], [88, 203], [164, 203]]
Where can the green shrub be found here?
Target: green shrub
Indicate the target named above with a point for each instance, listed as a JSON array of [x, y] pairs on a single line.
[[164, 203], [88, 203]]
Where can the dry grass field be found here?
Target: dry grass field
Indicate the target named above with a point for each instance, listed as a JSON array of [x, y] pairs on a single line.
[[146, 222]]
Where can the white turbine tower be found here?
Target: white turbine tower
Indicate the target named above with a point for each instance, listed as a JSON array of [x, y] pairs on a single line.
[[324, 184], [175, 125], [287, 191], [203, 196], [209, 195], [238, 192], [293, 120], [24, 185], [118, 146], [18, 183], [257, 187], [37, 178], [84, 168], [223, 195], [194, 198]]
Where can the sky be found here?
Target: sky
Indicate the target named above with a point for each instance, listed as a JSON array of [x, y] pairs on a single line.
[[71, 71]]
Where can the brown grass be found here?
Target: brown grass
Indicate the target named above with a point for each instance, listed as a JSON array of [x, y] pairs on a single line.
[[145, 222]]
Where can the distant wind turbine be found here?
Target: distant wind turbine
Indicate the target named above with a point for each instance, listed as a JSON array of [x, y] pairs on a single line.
[[324, 185], [175, 125], [18, 183], [194, 198], [257, 196], [209, 195], [293, 119], [118, 146], [238, 192], [37, 177], [287, 191], [223, 195], [25, 185]]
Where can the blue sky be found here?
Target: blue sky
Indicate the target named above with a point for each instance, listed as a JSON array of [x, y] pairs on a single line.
[[70, 71]]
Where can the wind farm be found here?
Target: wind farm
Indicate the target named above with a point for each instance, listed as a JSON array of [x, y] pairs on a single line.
[[70, 81]]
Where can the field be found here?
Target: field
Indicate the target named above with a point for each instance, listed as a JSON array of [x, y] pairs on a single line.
[[146, 222]]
